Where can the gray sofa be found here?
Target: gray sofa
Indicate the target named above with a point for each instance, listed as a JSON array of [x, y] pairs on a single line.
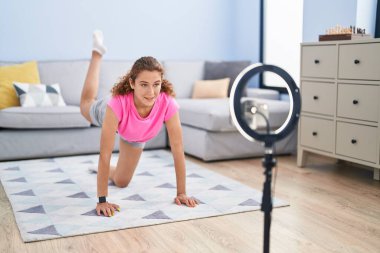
[[208, 132]]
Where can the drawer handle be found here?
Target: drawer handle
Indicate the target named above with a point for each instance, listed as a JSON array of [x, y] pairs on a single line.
[[355, 102], [314, 133], [316, 61], [353, 141], [315, 97], [356, 61]]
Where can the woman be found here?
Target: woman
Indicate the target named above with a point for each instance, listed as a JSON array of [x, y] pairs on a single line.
[[141, 102]]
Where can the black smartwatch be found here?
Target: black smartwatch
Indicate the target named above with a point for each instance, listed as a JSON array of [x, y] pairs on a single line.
[[102, 199]]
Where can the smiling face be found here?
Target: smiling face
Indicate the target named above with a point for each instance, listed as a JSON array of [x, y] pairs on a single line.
[[146, 88]]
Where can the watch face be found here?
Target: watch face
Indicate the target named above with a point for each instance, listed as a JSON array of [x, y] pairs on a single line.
[[102, 199]]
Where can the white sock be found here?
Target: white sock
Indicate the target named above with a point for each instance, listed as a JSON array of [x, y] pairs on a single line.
[[97, 45]]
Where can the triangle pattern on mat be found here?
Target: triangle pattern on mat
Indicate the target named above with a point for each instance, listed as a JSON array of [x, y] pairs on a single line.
[[66, 181], [157, 215], [56, 170], [220, 188], [35, 209], [145, 173], [48, 184], [79, 195], [199, 201], [13, 168], [25, 193], [49, 230], [167, 185], [90, 213], [194, 175], [249, 202], [20, 179], [135, 197], [88, 161]]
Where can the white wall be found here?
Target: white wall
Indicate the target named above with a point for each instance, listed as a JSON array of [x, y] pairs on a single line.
[[366, 15]]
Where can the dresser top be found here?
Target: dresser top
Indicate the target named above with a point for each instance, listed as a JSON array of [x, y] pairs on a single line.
[[339, 42]]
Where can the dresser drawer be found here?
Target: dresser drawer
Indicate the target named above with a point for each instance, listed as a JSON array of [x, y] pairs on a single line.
[[357, 141], [318, 97], [359, 61], [317, 133], [358, 102], [319, 61]]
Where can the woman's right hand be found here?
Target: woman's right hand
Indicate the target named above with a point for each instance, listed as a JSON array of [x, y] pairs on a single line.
[[108, 209]]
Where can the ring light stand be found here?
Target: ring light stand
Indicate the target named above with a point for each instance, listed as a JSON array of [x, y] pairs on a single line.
[[269, 138]]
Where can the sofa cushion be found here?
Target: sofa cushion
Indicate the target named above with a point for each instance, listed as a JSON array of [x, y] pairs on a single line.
[[214, 114], [224, 69], [263, 93], [183, 74], [211, 88], [26, 72], [212, 146], [110, 74], [69, 74], [42, 117]]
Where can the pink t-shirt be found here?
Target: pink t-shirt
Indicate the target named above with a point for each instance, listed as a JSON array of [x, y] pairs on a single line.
[[132, 127]]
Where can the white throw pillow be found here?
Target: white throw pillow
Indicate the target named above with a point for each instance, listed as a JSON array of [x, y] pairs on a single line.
[[39, 95]]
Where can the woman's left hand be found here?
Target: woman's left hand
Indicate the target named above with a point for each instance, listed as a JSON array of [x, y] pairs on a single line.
[[183, 199]]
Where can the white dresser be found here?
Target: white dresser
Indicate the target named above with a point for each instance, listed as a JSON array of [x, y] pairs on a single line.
[[340, 91]]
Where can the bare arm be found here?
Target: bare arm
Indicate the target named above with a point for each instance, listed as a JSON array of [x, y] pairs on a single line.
[[173, 125], [107, 142]]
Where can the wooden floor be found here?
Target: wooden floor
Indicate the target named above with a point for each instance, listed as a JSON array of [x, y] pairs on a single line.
[[334, 207]]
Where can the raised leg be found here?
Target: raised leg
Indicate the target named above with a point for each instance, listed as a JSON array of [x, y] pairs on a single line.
[[91, 83]]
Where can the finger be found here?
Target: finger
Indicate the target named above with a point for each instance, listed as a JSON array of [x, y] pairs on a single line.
[[111, 210], [117, 207], [192, 202], [108, 212], [104, 211], [187, 202], [98, 211], [177, 201]]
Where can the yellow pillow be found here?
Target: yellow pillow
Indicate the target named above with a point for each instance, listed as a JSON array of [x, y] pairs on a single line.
[[24, 73], [211, 88]]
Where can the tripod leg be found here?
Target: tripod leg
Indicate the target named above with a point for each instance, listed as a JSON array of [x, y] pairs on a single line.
[[267, 221]]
